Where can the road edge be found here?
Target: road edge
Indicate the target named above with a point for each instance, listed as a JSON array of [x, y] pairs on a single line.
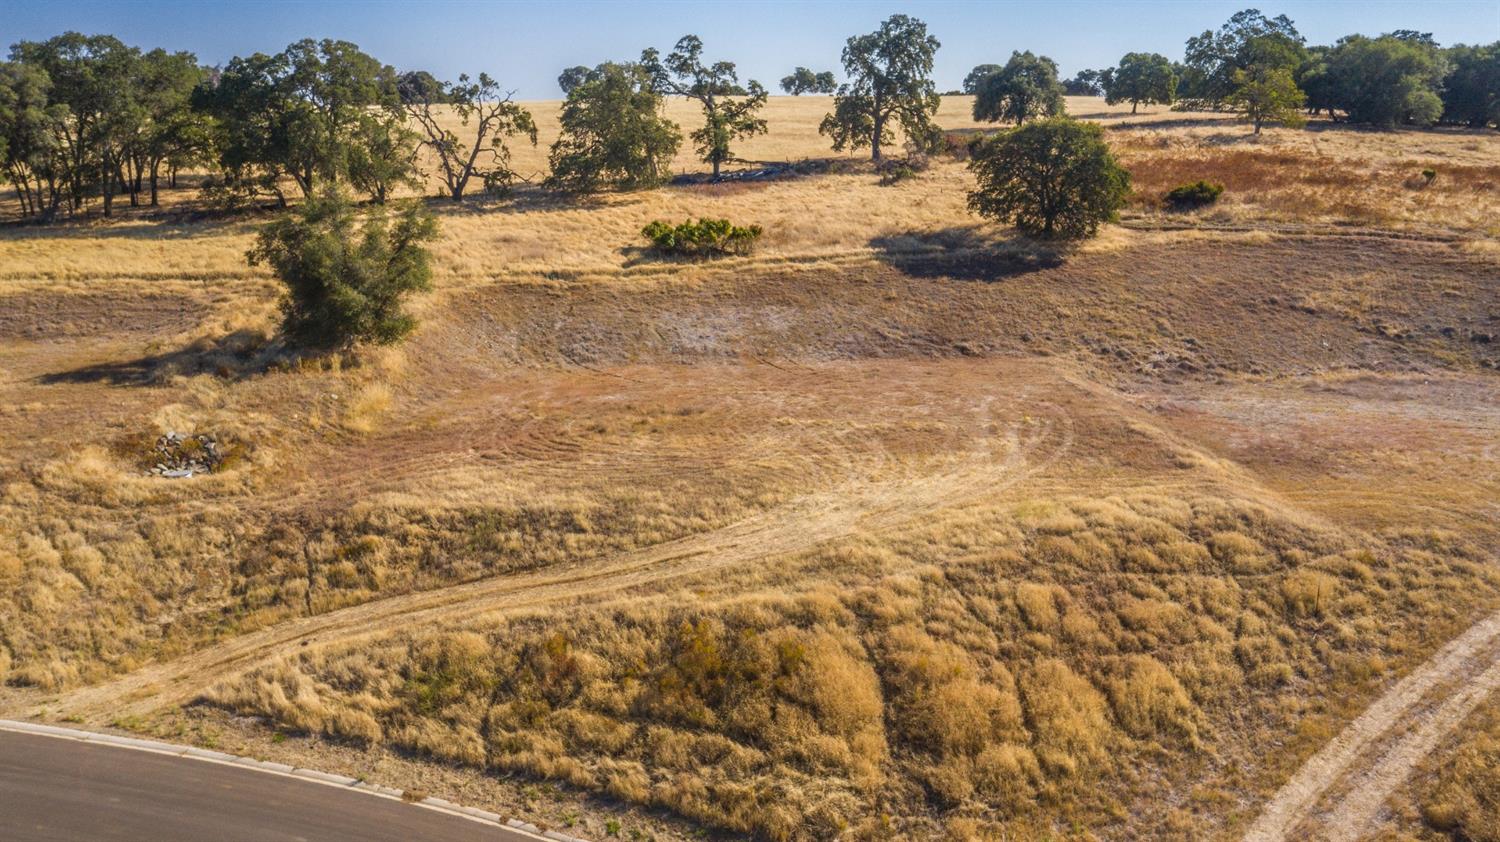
[[440, 805]]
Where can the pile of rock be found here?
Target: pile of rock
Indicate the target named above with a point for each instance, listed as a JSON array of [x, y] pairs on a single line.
[[179, 456]]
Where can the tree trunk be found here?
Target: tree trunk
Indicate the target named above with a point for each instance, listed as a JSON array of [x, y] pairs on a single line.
[[1133, 105], [155, 169], [107, 189], [875, 138]]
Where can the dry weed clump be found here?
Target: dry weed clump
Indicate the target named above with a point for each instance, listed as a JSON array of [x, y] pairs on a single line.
[[1004, 681], [103, 567], [1457, 790]]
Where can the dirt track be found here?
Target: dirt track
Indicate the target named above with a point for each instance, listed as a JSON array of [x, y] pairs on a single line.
[[1003, 460], [1339, 793]]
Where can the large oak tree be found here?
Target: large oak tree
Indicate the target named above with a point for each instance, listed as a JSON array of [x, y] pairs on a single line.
[[890, 80]]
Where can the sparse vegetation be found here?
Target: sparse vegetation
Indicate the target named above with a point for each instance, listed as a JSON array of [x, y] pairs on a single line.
[[729, 111], [494, 116]]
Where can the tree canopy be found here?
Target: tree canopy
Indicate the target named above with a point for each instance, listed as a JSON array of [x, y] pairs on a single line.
[[804, 81], [1052, 178], [890, 79], [572, 77], [478, 104], [1085, 83], [86, 115], [1387, 80], [977, 75], [1247, 38], [1471, 91], [613, 132], [1265, 94], [1141, 77], [1024, 89], [729, 111], [308, 113]]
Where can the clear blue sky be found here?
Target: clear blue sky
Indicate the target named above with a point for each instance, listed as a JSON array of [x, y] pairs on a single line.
[[525, 44]]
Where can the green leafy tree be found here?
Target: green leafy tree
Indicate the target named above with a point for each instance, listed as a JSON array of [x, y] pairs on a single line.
[[978, 75], [889, 73], [171, 134], [31, 131], [613, 132], [1314, 79], [418, 84], [298, 114], [1052, 178], [729, 111], [1141, 77], [1471, 91], [1267, 94], [1024, 89], [1085, 83], [346, 283], [572, 78], [1387, 80], [1247, 38], [88, 81], [382, 154], [804, 81], [481, 106]]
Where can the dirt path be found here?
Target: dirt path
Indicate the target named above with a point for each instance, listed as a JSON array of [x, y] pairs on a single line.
[[1339, 793], [1011, 454]]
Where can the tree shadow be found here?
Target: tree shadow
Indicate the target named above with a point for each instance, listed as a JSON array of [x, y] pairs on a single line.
[[1175, 123], [652, 256], [235, 356], [965, 253], [528, 198]]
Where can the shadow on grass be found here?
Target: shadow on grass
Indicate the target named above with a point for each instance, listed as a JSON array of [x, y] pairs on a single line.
[[235, 356], [965, 253]]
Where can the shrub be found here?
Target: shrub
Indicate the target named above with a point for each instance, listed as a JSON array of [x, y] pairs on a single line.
[[703, 238], [1193, 195], [345, 286]]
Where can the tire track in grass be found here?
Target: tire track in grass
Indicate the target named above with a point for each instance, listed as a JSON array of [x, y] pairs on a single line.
[[1339, 793]]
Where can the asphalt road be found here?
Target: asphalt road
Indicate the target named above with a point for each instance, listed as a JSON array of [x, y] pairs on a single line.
[[58, 789]]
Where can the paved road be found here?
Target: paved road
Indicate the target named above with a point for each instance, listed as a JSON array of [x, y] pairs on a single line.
[[56, 789]]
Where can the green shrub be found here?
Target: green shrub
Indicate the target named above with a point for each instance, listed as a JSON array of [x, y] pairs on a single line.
[[1194, 195], [346, 283], [702, 238]]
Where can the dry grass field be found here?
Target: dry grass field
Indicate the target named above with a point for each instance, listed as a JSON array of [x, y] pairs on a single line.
[[900, 527]]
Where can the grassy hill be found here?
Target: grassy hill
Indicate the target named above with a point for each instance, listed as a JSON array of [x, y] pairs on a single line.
[[901, 526]]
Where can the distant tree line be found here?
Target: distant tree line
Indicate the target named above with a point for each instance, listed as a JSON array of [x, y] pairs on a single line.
[[1263, 68], [88, 119]]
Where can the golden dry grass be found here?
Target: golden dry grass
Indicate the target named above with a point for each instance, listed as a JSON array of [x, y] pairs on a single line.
[[1054, 537], [1455, 795], [1330, 175]]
